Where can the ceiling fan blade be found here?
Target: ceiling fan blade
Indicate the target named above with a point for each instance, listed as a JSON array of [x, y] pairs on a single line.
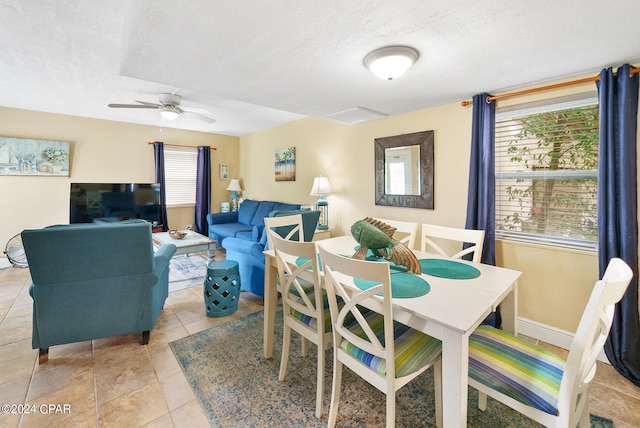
[[199, 116], [196, 110], [147, 105]]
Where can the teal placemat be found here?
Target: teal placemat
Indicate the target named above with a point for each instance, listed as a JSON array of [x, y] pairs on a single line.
[[448, 269], [403, 285], [302, 260]]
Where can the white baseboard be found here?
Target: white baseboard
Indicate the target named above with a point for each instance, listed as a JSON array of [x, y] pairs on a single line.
[[554, 336]]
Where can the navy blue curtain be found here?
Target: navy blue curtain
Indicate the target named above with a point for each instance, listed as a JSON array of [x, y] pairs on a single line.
[[158, 157], [203, 190], [618, 209], [481, 202]]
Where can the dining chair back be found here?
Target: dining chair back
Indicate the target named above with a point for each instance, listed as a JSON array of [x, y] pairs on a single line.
[[288, 226], [406, 231], [538, 383], [304, 304], [366, 339], [435, 237]]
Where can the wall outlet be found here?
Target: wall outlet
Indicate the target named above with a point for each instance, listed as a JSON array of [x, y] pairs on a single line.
[[189, 227]]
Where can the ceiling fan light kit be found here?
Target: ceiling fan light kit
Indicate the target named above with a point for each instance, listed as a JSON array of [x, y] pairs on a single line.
[[169, 113], [391, 62]]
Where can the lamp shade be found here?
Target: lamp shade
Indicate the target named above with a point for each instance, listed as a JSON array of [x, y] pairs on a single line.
[[320, 187], [234, 185], [390, 62]]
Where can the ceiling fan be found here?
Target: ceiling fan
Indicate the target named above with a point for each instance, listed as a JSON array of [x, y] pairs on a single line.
[[169, 107]]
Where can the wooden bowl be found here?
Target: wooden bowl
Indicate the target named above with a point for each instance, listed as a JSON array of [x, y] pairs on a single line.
[[177, 234]]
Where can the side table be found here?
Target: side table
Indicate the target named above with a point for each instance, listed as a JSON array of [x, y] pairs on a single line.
[[221, 288], [319, 235]]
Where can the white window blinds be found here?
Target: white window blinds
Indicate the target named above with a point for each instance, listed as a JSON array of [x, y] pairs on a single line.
[[180, 168], [546, 174]]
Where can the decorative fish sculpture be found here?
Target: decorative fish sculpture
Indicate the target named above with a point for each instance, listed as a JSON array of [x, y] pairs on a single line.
[[376, 236]]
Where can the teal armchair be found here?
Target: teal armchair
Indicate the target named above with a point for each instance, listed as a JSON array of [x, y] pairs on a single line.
[[91, 281]]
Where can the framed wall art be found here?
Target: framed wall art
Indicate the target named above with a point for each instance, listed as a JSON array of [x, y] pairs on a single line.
[[25, 156], [224, 171], [285, 164]]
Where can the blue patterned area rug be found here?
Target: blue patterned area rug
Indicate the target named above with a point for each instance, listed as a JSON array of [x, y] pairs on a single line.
[[186, 271], [237, 387]]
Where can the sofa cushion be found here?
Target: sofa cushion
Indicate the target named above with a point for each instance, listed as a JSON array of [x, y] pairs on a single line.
[[263, 211], [228, 230], [246, 235], [286, 207], [247, 211]]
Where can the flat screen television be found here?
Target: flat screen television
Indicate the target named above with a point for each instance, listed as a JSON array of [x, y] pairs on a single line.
[[114, 201]]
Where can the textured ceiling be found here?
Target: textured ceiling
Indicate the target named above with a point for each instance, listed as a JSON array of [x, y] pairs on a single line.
[[255, 65]]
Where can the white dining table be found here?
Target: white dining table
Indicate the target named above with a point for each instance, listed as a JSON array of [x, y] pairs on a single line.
[[450, 311]]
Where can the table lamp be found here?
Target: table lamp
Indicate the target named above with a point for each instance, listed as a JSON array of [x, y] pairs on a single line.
[[320, 188], [234, 187]]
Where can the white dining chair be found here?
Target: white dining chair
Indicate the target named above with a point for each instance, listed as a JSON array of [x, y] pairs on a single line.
[[385, 353], [435, 237], [304, 304], [406, 231], [288, 226], [536, 382]]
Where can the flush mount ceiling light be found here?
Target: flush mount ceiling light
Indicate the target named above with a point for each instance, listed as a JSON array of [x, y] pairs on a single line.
[[169, 112], [390, 62]]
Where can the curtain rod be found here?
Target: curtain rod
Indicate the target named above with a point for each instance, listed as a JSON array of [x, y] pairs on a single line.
[[182, 147], [544, 88]]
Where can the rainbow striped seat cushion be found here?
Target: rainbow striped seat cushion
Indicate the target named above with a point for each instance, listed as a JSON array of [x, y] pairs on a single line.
[[516, 368], [312, 321], [413, 349]]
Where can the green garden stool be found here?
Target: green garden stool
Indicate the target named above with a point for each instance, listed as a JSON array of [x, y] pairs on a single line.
[[221, 288]]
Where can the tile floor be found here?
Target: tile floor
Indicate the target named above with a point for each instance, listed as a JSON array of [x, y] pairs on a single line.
[[116, 382]]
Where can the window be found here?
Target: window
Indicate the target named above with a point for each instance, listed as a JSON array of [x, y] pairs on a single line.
[[180, 168], [546, 173]]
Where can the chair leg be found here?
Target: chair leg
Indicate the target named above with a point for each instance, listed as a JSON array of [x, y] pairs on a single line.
[[335, 391], [320, 379], [304, 346], [43, 355], [145, 337], [437, 388], [482, 401], [585, 419], [286, 339], [391, 408]]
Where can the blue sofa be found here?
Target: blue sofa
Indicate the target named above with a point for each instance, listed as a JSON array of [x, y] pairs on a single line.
[[91, 281], [249, 255], [247, 223]]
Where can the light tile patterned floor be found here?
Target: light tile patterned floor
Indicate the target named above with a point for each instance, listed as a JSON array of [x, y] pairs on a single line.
[[117, 382]]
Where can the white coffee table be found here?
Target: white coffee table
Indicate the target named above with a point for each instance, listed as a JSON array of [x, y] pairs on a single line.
[[192, 243]]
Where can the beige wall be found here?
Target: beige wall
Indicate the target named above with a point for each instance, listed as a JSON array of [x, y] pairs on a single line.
[[101, 151], [345, 155], [555, 284]]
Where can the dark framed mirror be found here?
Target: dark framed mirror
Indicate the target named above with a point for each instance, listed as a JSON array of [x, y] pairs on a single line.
[[404, 170]]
